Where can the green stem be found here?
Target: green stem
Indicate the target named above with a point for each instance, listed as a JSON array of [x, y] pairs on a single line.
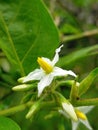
[[81, 35], [65, 83], [87, 102], [48, 105], [15, 109], [18, 108]]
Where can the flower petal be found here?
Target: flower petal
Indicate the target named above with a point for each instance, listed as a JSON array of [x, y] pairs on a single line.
[[60, 72], [63, 113], [75, 125], [85, 109], [37, 74], [69, 109], [44, 82], [86, 123], [56, 57]]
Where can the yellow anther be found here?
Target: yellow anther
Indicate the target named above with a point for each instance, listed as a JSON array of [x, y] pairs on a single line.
[[44, 65], [80, 115]]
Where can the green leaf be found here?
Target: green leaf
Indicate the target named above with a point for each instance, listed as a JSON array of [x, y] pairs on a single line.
[[85, 84], [26, 32], [74, 56], [8, 124]]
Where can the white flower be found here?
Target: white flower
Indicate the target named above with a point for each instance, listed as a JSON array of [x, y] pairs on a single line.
[[69, 110], [80, 112], [47, 72]]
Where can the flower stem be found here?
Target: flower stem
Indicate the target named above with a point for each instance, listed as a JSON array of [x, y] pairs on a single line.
[[87, 102], [80, 35], [65, 83], [15, 109]]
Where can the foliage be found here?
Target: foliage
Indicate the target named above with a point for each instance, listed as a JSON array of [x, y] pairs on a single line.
[[34, 28], [10, 124], [23, 33]]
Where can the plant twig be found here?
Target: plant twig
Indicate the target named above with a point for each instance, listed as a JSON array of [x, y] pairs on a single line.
[[87, 102], [80, 35], [15, 109]]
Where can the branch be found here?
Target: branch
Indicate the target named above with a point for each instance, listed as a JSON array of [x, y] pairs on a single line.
[[15, 109], [87, 102], [80, 35]]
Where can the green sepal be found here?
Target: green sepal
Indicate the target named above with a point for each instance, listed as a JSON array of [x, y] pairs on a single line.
[[59, 98], [74, 92], [85, 84]]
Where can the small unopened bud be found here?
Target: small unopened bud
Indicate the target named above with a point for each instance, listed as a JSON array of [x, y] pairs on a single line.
[[23, 87], [77, 84], [20, 80], [34, 108]]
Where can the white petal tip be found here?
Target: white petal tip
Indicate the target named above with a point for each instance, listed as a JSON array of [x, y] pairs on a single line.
[[72, 73], [59, 49], [40, 91]]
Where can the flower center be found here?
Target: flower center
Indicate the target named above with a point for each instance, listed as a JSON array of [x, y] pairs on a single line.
[[44, 65], [80, 115]]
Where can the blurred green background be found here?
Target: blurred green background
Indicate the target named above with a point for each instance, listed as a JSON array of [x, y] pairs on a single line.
[[80, 53]]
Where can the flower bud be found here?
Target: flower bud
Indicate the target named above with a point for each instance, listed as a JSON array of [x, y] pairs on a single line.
[[23, 87], [20, 80], [34, 108]]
